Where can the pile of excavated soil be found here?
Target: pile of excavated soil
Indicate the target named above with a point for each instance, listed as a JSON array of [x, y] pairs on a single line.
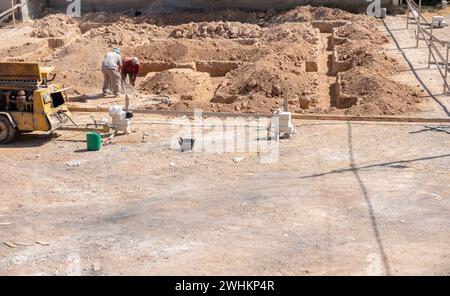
[[29, 52], [368, 80], [176, 18], [186, 50], [290, 32], [367, 55], [362, 32], [310, 14], [266, 81], [103, 18], [54, 25], [377, 95], [78, 66], [185, 84], [126, 33], [229, 30]]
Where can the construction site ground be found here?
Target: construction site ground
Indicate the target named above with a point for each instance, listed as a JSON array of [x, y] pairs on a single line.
[[347, 198]]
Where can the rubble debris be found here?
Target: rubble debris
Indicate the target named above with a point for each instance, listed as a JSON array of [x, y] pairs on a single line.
[[238, 159], [73, 164], [42, 243]]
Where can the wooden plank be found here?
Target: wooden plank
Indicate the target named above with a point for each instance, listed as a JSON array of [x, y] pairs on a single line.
[[172, 113], [371, 118], [294, 116], [83, 129]]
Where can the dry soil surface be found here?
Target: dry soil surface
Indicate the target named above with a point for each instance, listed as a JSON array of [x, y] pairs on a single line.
[[340, 198], [348, 199]]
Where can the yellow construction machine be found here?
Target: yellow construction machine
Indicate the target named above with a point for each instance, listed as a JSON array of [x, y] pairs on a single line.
[[28, 102]]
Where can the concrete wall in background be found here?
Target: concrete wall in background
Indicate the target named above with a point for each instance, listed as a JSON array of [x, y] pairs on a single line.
[[4, 5], [117, 5], [31, 10]]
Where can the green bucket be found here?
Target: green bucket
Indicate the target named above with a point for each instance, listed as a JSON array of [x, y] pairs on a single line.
[[94, 141]]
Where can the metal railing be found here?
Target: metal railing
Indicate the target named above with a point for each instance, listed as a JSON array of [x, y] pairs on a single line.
[[13, 9], [434, 54]]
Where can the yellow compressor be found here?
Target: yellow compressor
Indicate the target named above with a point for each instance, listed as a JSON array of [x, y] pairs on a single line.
[[28, 102]]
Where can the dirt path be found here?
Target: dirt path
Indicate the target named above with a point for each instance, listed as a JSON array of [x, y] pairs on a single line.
[[18, 36], [326, 78]]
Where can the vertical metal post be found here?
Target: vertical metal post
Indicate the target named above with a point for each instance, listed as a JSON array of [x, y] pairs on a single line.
[[429, 48], [446, 67], [417, 34], [420, 5], [407, 17], [127, 102], [13, 13], [285, 100]]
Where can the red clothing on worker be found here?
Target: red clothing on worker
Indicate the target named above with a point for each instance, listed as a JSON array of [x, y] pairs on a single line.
[[129, 68]]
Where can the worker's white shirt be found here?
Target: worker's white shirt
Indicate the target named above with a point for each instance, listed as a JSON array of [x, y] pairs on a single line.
[[112, 60]]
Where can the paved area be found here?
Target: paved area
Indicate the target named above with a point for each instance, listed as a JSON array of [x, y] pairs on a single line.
[[415, 59]]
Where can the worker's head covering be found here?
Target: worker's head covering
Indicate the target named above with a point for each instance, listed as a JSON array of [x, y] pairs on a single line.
[[135, 61], [117, 50]]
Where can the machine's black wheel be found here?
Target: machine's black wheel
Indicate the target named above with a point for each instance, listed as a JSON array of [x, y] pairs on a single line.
[[7, 131]]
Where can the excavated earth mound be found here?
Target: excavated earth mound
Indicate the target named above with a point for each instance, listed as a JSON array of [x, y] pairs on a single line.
[[54, 25], [311, 14], [229, 30], [271, 78], [363, 54], [257, 59], [185, 84], [363, 32], [376, 95]]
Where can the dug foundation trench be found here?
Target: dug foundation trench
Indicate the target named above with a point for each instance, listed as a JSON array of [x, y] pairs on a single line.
[[38, 48], [213, 68], [325, 62], [329, 64], [251, 62]]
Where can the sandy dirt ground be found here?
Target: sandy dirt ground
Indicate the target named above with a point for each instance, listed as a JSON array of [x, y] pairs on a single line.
[[17, 36], [341, 198]]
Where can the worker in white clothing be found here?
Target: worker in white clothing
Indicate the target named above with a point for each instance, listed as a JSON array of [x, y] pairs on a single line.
[[111, 67]]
